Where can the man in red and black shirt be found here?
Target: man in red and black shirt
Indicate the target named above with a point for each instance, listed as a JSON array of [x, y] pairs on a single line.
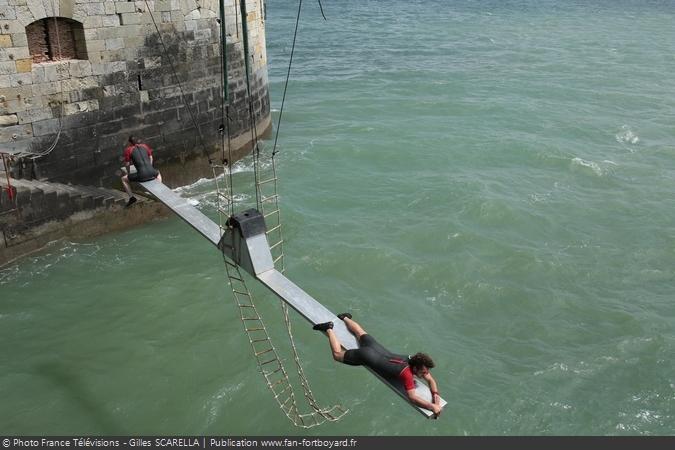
[[140, 155], [390, 366]]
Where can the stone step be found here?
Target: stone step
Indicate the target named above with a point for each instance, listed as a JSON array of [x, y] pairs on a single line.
[[39, 200]]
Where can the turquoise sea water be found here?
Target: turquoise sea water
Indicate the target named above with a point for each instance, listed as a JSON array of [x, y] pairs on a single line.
[[488, 181]]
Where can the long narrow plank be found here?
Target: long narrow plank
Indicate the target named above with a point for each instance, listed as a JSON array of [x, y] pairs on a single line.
[[195, 218], [305, 305]]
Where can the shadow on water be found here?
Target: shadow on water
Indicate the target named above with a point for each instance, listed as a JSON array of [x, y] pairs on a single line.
[[71, 385]]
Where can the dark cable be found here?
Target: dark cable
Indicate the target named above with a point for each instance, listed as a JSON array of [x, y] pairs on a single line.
[[180, 86], [288, 76], [321, 8]]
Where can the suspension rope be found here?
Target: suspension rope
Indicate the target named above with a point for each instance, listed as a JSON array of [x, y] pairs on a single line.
[[288, 76], [267, 196], [321, 8], [224, 127], [251, 114], [180, 85]]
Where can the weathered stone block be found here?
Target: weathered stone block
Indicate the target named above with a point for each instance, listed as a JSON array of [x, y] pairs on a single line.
[[79, 84], [95, 9], [20, 79], [80, 69], [125, 7], [17, 53], [163, 5], [109, 7], [7, 67], [20, 92], [92, 22], [111, 20], [114, 44], [5, 41], [91, 34], [34, 115], [74, 108], [15, 133], [152, 62], [56, 71], [128, 111], [116, 66], [131, 18], [19, 40], [13, 26], [134, 41], [108, 128], [8, 119], [203, 35], [46, 88], [45, 127], [95, 45]]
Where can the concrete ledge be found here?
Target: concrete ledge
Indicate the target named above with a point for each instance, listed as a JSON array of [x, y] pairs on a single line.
[[77, 227]]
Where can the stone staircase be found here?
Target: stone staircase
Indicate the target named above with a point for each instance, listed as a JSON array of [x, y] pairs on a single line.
[[35, 202], [40, 212]]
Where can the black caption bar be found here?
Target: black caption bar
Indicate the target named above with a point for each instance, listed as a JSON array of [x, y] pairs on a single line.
[[339, 442]]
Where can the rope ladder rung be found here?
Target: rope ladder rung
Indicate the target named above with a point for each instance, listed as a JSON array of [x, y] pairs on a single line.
[[262, 352], [277, 244], [269, 180]]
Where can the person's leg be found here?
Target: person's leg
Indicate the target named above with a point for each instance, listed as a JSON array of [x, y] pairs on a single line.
[[354, 327], [159, 177], [127, 186]]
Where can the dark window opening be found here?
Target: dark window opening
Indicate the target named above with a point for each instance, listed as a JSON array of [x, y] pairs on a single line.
[[56, 39]]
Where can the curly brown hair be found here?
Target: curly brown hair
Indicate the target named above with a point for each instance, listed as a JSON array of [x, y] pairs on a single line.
[[421, 359]]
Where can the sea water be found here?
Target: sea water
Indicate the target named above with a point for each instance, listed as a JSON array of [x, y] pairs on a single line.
[[487, 181]]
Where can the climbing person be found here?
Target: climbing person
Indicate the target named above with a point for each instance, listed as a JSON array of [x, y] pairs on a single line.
[[140, 155], [390, 366]]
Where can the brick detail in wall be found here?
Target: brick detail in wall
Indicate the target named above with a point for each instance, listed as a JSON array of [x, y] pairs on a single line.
[[54, 39]]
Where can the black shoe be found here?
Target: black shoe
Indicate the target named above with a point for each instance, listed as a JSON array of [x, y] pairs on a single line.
[[323, 326], [131, 201], [343, 315]]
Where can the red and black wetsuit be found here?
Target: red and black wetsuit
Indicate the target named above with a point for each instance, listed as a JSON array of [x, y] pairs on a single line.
[[389, 366], [139, 155]]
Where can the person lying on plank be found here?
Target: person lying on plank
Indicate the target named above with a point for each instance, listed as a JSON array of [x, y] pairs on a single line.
[[390, 366]]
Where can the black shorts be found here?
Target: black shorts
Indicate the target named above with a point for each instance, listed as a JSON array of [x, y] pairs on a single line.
[[372, 354], [136, 177]]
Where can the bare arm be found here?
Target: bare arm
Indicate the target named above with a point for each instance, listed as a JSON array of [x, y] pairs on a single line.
[[433, 387], [414, 398]]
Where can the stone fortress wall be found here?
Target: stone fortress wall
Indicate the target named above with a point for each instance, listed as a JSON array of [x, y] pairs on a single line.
[[77, 77]]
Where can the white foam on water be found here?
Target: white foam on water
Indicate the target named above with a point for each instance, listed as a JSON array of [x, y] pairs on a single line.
[[219, 401], [37, 265], [560, 405], [200, 182], [627, 136], [606, 167], [241, 166]]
